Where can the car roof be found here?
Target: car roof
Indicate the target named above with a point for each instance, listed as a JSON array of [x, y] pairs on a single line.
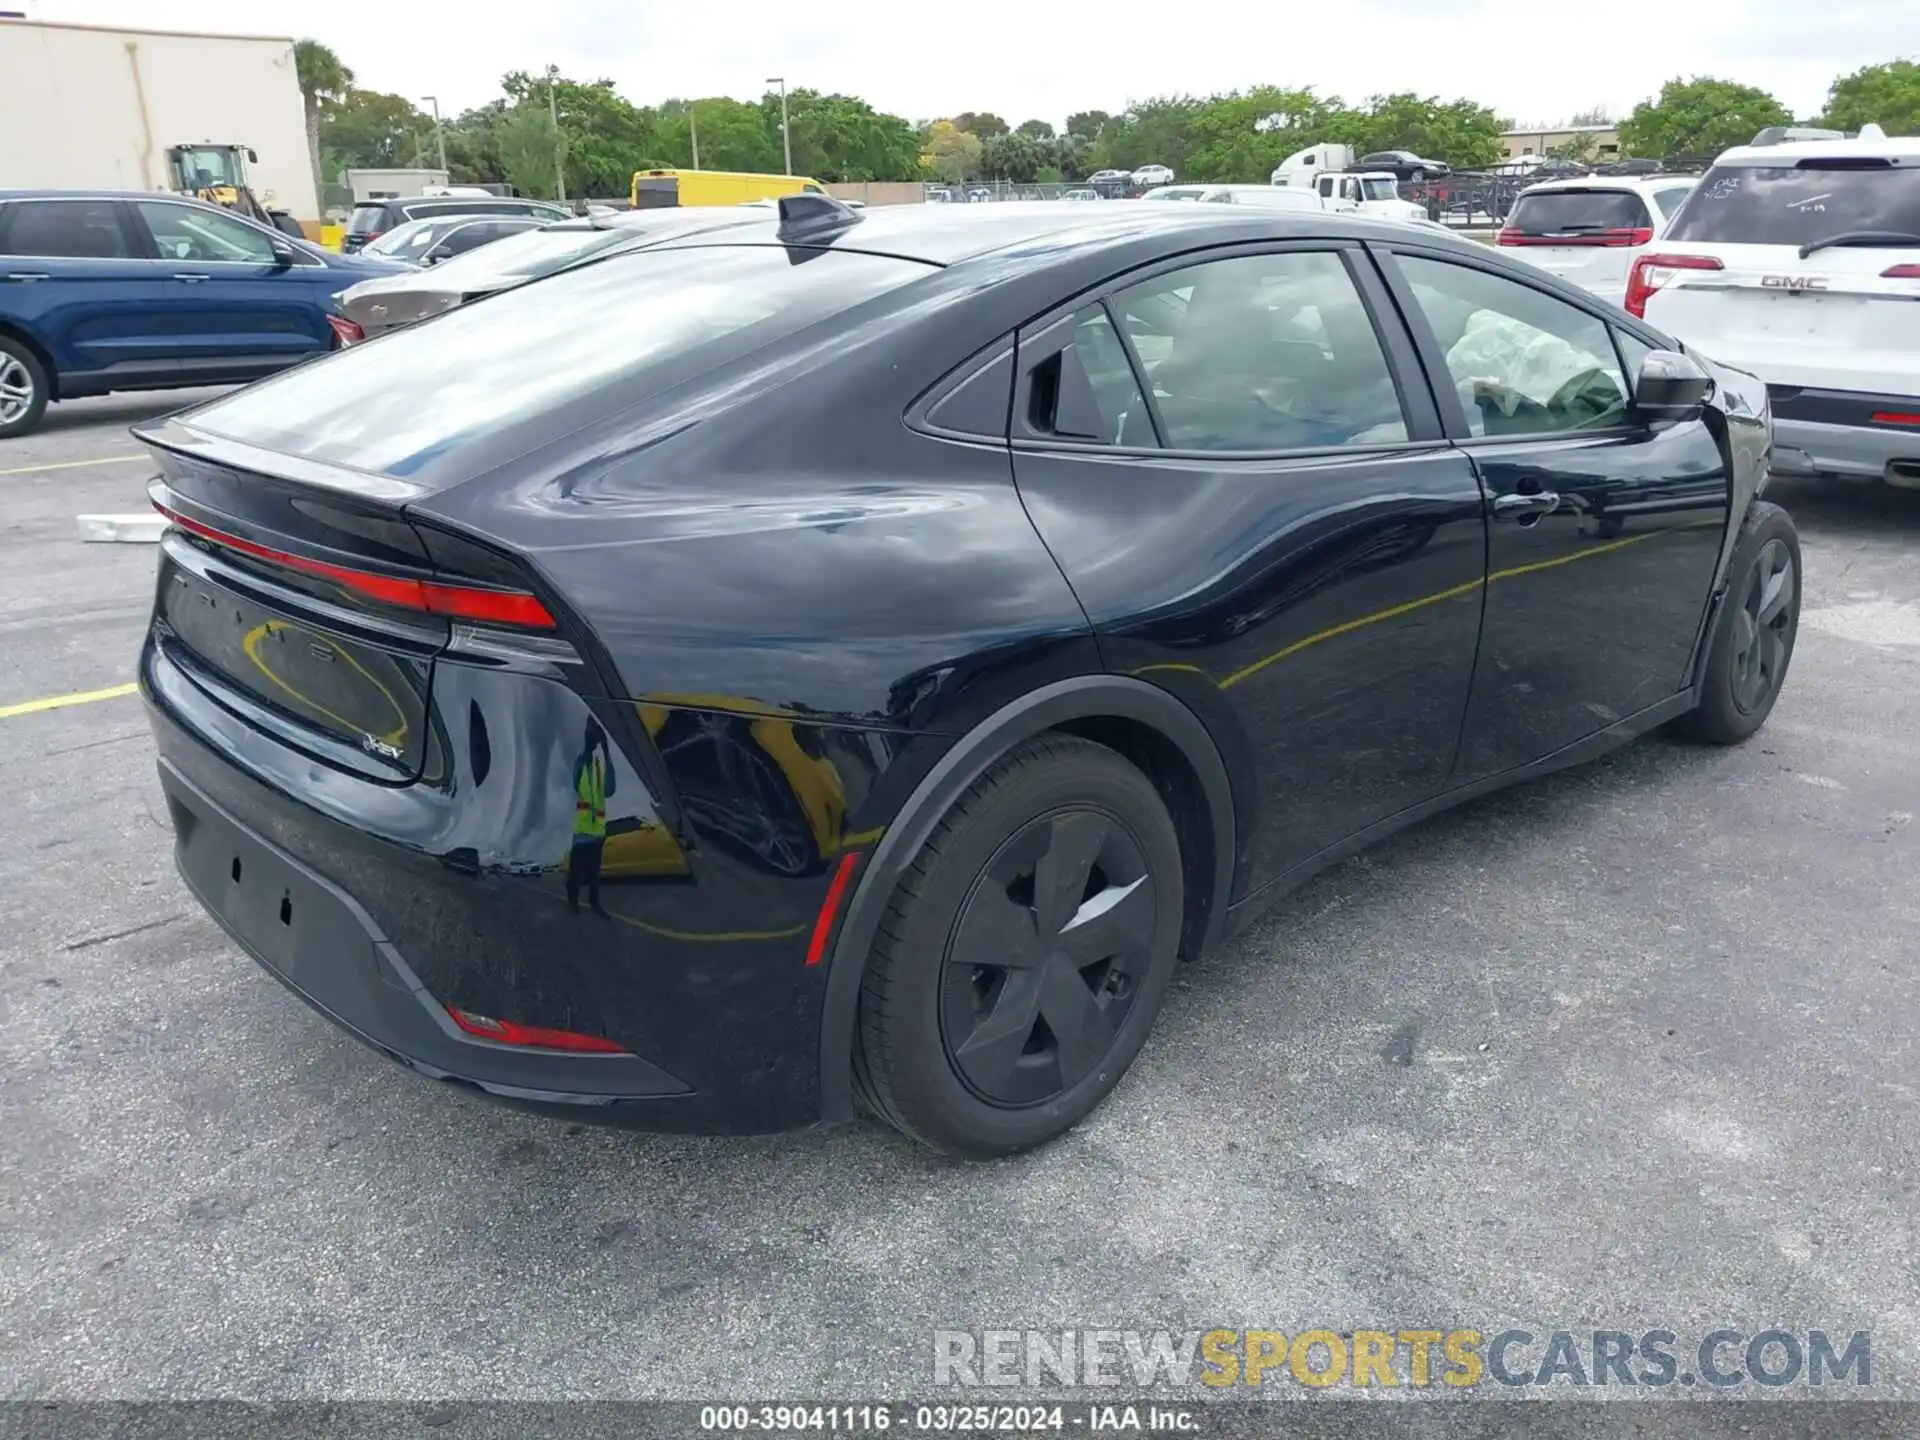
[[1635, 183], [941, 235], [1902, 149], [103, 195]]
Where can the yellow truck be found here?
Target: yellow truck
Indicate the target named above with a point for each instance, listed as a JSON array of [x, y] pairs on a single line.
[[663, 189]]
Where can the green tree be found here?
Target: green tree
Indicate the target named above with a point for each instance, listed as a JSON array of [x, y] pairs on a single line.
[[1157, 131], [530, 149], [1885, 95], [1034, 129], [1243, 135], [1085, 124], [1459, 132], [325, 81], [982, 123], [1014, 157], [950, 152], [843, 138], [1699, 117], [369, 129], [1581, 149], [1595, 115]]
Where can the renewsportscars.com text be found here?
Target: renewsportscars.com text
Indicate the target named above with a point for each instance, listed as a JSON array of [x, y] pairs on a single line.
[[1414, 1358]]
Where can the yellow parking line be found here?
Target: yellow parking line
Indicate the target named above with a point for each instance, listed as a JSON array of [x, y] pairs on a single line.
[[55, 702], [75, 464]]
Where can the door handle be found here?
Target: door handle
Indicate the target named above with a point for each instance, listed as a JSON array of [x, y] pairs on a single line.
[[1521, 507], [24, 276], [193, 279]]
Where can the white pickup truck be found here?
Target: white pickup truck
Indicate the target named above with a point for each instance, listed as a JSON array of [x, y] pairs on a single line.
[[1326, 170]]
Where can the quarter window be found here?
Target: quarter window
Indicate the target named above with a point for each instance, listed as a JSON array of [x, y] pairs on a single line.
[[1524, 362], [63, 229], [186, 232], [1087, 391], [1262, 353]]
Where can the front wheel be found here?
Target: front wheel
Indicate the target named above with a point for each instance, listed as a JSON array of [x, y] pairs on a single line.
[[1753, 638], [1025, 954], [23, 388]]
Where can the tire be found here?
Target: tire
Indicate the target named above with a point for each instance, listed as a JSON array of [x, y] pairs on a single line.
[[1052, 808], [1739, 682], [20, 369]]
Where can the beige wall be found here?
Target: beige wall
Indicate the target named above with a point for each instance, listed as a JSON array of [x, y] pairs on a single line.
[[881, 192], [84, 107], [1606, 141]]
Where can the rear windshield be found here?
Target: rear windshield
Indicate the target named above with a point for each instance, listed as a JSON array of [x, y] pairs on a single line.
[[1577, 212], [367, 219], [1782, 205], [534, 252], [636, 324]]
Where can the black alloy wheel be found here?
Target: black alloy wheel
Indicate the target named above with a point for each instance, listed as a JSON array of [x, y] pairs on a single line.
[[1024, 953], [1753, 637], [1045, 961], [1763, 627]]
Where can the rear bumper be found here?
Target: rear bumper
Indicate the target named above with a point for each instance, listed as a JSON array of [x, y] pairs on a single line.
[[382, 904], [1829, 433], [320, 943]]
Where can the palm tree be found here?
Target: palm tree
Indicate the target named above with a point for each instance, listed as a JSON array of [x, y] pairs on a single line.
[[324, 83]]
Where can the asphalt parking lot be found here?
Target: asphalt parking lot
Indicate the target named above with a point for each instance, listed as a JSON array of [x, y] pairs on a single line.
[[1633, 1047]]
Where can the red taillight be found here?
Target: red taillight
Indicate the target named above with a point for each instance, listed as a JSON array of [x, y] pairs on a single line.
[[456, 602], [536, 1037], [1895, 417], [1901, 272], [346, 331], [830, 908], [1612, 239], [1652, 272]]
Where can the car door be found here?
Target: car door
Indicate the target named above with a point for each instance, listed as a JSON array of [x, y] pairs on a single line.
[[1603, 529], [70, 275], [1242, 475], [233, 310]]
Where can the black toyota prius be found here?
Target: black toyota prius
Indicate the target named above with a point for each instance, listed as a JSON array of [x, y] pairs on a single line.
[[851, 658]]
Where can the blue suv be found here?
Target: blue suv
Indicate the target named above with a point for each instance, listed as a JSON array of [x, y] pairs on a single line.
[[103, 291]]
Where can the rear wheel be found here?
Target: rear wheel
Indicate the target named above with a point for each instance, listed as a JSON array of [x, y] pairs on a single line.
[[23, 388], [1024, 956], [1753, 638]]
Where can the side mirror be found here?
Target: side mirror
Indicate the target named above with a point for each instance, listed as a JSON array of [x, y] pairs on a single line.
[[1671, 386], [283, 253], [440, 252]]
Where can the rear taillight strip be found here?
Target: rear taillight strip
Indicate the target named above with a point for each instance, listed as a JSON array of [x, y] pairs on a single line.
[[532, 1037], [1619, 238], [434, 597]]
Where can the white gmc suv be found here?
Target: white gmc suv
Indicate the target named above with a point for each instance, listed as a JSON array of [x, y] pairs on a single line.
[[1800, 263]]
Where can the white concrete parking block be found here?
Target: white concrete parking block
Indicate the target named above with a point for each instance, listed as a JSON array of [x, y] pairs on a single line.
[[136, 529]]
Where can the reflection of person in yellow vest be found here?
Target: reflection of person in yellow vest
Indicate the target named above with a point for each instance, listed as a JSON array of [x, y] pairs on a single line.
[[593, 785]]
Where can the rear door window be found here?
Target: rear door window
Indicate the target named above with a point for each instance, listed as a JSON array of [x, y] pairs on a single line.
[[627, 328], [63, 229], [1262, 353], [1800, 204], [367, 220], [1578, 212]]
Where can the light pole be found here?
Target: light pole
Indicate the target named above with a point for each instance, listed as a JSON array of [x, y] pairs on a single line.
[[786, 132], [553, 114], [439, 135]]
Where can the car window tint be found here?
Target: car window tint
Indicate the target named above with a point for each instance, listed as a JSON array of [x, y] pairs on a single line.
[[63, 229], [1670, 198], [612, 333], [1799, 204], [1633, 354], [1263, 352], [1577, 212], [188, 232], [367, 220], [1087, 391], [1523, 361]]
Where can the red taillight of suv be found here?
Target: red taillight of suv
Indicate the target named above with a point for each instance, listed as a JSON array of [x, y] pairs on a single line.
[[1619, 238], [346, 331], [1655, 272]]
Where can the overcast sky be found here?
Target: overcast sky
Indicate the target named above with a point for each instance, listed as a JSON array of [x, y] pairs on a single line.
[[1021, 59]]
